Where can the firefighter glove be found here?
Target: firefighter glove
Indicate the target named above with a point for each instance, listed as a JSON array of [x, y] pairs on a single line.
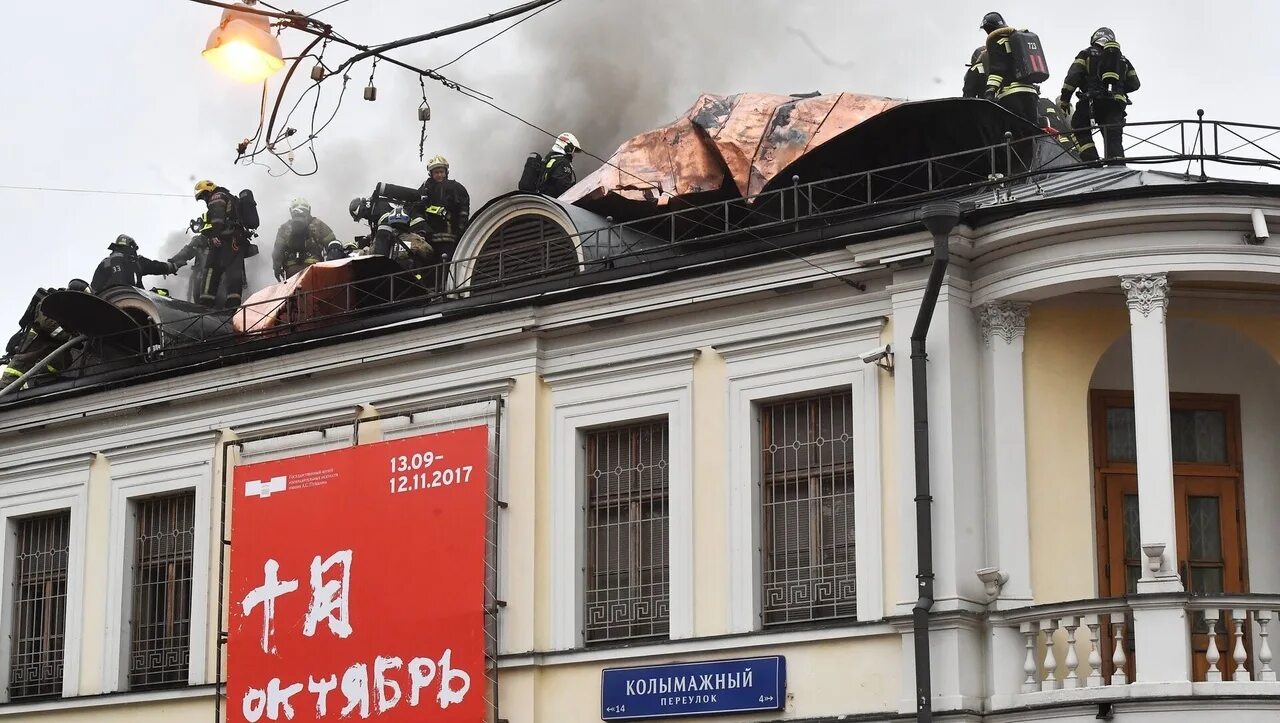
[[177, 264], [279, 271], [989, 94], [1064, 105], [173, 268]]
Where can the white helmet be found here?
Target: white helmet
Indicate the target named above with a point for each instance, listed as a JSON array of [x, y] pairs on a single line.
[[299, 207], [566, 143]]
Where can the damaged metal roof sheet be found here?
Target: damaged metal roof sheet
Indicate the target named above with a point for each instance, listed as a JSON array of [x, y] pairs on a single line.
[[739, 140], [728, 147]]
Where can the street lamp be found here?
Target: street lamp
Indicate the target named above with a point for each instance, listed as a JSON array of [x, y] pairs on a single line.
[[242, 46]]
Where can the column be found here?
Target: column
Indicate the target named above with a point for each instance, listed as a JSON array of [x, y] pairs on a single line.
[[1003, 324], [1147, 298], [1161, 632]]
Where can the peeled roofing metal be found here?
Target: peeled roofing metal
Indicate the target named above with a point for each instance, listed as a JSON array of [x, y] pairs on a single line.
[[737, 142]]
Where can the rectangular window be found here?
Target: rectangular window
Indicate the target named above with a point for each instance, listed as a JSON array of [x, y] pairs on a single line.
[[626, 473], [38, 638], [807, 521], [160, 611]]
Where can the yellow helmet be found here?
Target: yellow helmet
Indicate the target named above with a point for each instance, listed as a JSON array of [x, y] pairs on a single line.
[[437, 162], [203, 186]]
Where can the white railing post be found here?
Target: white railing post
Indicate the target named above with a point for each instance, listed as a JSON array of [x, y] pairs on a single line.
[[1073, 661], [1095, 654], [1031, 683], [1238, 617], [1264, 646], [1213, 674], [1118, 659], [1050, 680]]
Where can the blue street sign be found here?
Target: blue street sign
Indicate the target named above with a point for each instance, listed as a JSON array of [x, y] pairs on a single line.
[[684, 689]]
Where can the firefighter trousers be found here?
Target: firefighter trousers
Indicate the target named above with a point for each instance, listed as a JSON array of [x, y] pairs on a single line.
[[1024, 104], [1109, 115], [225, 260]]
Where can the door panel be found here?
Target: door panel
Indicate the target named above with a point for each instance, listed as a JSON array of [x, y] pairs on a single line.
[[1207, 504]]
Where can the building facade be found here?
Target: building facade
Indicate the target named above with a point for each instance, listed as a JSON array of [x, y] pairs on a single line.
[[713, 463]]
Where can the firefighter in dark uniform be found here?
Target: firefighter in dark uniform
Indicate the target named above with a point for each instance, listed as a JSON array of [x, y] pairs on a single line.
[[557, 173], [975, 77], [445, 210], [300, 242], [124, 267], [37, 337], [1022, 99], [1104, 78], [221, 234]]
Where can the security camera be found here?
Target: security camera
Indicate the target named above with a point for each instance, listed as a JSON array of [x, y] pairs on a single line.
[[875, 355], [1260, 232], [881, 356]]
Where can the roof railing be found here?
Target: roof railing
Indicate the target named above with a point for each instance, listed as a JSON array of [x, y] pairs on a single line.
[[1186, 144]]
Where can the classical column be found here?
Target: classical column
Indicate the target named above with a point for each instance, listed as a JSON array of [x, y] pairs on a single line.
[[1147, 298], [1160, 626], [1003, 324]]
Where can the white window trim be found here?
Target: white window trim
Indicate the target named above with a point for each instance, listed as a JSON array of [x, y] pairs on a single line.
[[64, 491], [795, 365], [626, 392], [125, 488]]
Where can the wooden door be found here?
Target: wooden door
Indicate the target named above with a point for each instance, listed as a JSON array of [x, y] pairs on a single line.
[[1208, 504]]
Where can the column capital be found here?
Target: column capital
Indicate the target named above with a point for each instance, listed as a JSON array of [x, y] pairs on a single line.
[[1145, 292], [1005, 319]]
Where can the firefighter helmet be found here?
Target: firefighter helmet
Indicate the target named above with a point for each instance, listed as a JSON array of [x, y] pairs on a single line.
[[1102, 36], [77, 285], [299, 208], [991, 21], [205, 186], [977, 55], [566, 143], [437, 162], [124, 242]]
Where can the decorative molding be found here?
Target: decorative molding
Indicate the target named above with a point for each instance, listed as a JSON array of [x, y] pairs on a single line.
[[1006, 319], [1144, 292]]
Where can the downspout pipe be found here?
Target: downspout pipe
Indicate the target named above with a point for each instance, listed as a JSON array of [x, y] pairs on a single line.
[[940, 219]]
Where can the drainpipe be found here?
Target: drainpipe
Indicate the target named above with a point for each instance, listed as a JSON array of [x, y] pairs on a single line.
[[940, 218]]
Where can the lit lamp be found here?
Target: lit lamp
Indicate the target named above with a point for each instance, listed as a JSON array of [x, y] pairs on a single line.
[[243, 47]]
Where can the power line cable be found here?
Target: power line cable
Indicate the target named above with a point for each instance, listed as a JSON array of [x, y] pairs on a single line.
[[93, 190], [326, 7], [495, 35]]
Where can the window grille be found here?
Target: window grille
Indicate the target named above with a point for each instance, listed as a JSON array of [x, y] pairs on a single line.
[[160, 623], [525, 248], [38, 639], [806, 479], [626, 532]]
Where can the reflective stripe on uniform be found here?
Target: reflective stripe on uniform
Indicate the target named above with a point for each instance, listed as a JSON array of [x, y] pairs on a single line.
[[1013, 88], [10, 371]]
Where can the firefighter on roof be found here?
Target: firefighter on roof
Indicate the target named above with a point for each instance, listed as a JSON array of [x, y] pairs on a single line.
[[224, 232], [1004, 85], [38, 336], [300, 242], [445, 210], [124, 267], [975, 76], [1104, 78], [557, 172]]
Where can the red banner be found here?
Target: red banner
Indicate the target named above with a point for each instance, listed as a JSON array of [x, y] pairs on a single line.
[[357, 583]]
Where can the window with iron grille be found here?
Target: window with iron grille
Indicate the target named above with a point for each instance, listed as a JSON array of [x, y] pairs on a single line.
[[626, 532], [160, 610], [38, 639], [806, 497], [524, 248]]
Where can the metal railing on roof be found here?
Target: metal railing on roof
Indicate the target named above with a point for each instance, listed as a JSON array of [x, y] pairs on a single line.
[[1183, 146]]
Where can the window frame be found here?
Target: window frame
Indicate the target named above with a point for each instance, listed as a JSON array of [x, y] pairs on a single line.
[[11, 530], [630, 426], [605, 395], [126, 491], [65, 491], [797, 364]]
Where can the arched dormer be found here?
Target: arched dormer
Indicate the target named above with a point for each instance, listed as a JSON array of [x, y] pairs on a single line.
[[522, 237]]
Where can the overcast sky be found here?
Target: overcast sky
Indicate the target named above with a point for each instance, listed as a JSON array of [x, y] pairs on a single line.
[[114, 96]]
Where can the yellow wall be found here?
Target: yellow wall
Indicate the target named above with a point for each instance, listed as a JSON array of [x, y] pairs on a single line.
[[889, 501], [710, 495], [823, 679], [1063, 345], [174, 711]]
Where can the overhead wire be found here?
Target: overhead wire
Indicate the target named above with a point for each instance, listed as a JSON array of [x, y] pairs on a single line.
[[56, 189], [468, 51]]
